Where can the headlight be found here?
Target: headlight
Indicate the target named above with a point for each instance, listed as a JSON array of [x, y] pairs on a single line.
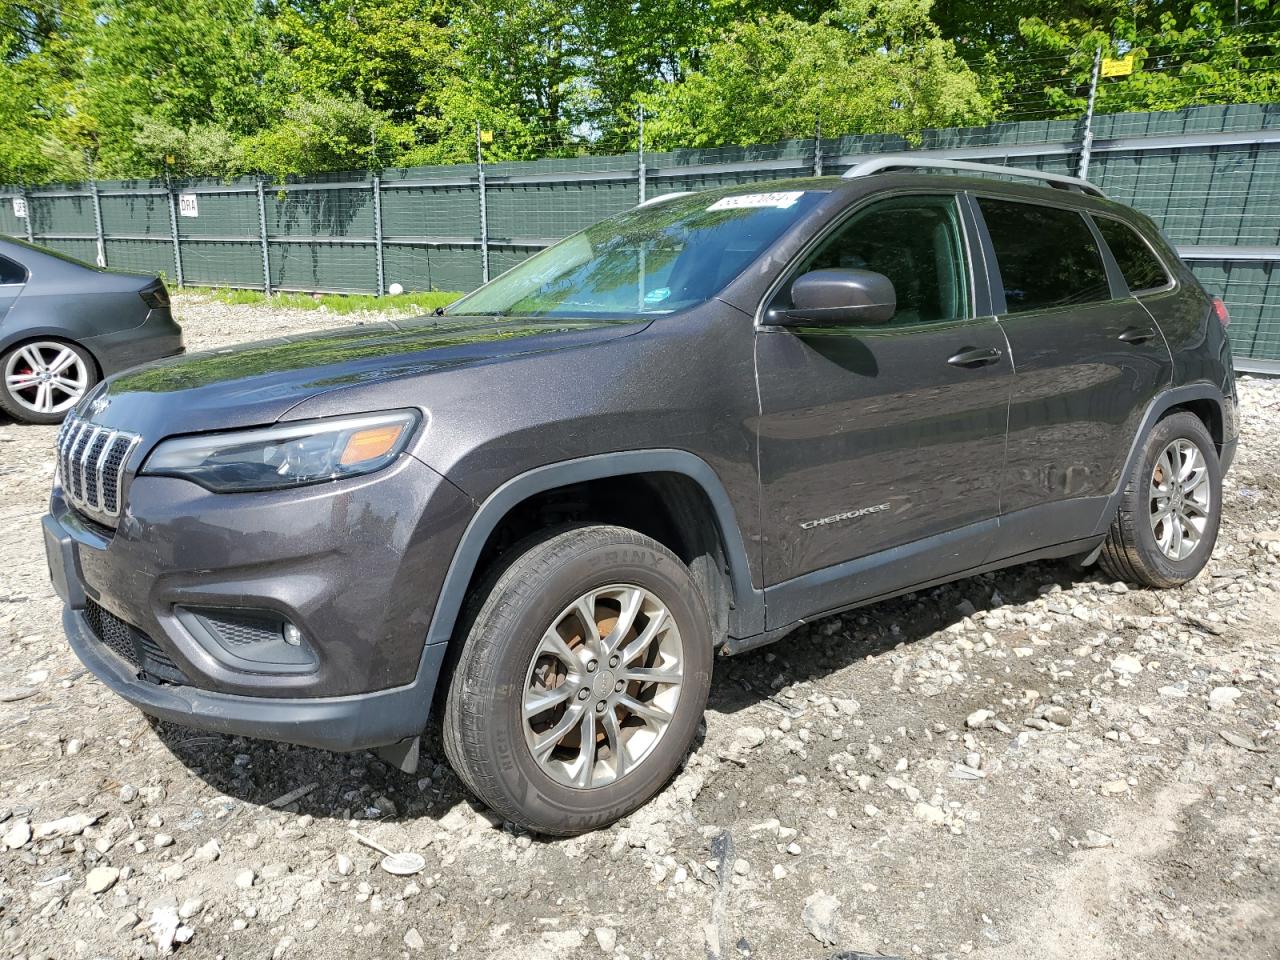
[[288, 455]]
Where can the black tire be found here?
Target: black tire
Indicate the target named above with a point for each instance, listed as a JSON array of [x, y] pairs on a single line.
[[1131, 552], [10, 404], [483, 725]]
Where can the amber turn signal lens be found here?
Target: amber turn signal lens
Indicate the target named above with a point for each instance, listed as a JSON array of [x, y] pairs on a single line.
[[370, 444]]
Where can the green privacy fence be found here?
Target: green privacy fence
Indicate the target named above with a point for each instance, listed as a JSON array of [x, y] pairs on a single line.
[[1209, 175]]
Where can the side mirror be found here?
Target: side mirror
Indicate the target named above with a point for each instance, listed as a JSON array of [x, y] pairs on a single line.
[[838, 296]]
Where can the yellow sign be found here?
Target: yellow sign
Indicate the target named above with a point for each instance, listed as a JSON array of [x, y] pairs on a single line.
[[1117, 68], [486, 136]]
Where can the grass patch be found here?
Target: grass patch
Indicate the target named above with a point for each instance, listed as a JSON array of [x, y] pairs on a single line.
[[335, 302]]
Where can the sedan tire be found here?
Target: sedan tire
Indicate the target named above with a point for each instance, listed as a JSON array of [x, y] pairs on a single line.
[[44, 379]]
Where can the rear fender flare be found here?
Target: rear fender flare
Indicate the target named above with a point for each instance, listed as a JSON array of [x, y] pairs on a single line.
[[1156, 409]]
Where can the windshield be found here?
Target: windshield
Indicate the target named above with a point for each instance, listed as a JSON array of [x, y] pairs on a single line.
[[651, 260]]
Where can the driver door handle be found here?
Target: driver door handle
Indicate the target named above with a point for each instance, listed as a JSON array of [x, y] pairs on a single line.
[[975, 357], [1137, 335]]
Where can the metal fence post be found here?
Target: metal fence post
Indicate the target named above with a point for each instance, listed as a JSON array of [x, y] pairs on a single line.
[[817, 147], [97, 224], [640, 170], [484, 211], [26, 202], [173, 230], [377, 231], [1086, 144], [262, 239]]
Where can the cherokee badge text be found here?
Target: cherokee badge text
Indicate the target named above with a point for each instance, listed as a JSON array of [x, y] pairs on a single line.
[[847, 515]]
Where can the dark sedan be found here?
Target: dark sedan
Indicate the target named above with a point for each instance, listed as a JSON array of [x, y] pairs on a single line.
[[65, 324]]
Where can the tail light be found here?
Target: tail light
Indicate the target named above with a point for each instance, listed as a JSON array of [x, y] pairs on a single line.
[[1220, 311], [155, 296]]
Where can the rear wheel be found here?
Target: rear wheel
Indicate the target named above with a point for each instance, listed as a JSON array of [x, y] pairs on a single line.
[[44, 379], [1167, 524], [581, 681]]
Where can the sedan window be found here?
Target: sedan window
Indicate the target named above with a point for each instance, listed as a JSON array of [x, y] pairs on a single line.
[[11, 272]]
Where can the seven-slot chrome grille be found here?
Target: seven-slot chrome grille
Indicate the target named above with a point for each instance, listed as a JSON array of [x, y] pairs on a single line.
[[91, 462]]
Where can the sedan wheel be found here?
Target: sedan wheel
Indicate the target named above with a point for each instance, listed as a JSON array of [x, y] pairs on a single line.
[[44, 379]]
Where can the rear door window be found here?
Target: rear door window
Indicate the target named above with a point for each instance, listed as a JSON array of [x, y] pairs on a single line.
[[11, 272], [1142, 269], [1047, 256]]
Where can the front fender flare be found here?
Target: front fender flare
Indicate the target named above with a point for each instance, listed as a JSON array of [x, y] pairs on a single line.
[[748, 613]]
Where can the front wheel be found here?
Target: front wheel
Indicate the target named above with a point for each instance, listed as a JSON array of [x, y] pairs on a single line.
[[1168, 519], [581, 681]]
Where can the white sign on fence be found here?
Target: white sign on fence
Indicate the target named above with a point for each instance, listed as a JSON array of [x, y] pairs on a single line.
[[20, 207], [187, 205]]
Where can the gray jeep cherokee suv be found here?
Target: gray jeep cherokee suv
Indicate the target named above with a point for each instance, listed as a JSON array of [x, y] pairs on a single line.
[[686, 429]]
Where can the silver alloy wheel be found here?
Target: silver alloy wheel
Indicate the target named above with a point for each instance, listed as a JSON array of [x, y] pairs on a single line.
[[45, 377], [602, 686], [1181, 497]]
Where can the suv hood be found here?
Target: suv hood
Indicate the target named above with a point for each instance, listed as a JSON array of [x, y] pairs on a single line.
[[260, 382]]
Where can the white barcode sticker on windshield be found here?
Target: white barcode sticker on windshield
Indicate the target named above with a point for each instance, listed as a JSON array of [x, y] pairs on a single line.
[[781, 200]]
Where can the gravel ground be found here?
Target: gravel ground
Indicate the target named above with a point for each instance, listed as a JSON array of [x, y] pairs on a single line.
[[1034, 763]]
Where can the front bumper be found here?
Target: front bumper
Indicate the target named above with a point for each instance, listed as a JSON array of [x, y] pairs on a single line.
[[355, 565], [357, 722]]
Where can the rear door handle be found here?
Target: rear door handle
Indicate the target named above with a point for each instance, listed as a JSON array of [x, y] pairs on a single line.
[[975, 357], [1137, 335]]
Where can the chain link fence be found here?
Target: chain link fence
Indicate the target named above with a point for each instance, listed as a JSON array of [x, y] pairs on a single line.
[[1210, 176]]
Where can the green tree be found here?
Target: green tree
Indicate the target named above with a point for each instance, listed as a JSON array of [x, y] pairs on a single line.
[[392, 55], [179, 62], [319, 133], [862, 67], [630, 51], [1182, 55], [40, 66], [201, 150], [1185, 52]]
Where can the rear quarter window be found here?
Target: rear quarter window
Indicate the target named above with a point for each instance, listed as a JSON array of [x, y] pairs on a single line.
[[1142, 269], [1048, 256]]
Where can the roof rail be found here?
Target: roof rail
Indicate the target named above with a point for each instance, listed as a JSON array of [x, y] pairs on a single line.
[[909, 161], [664, 197]]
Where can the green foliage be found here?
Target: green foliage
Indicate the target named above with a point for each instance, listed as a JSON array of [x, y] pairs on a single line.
[[201, 150], [219, 88], [185, 63], [862, 67], [324, 132], [388, 54], [1185, 54], [40, 49]]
